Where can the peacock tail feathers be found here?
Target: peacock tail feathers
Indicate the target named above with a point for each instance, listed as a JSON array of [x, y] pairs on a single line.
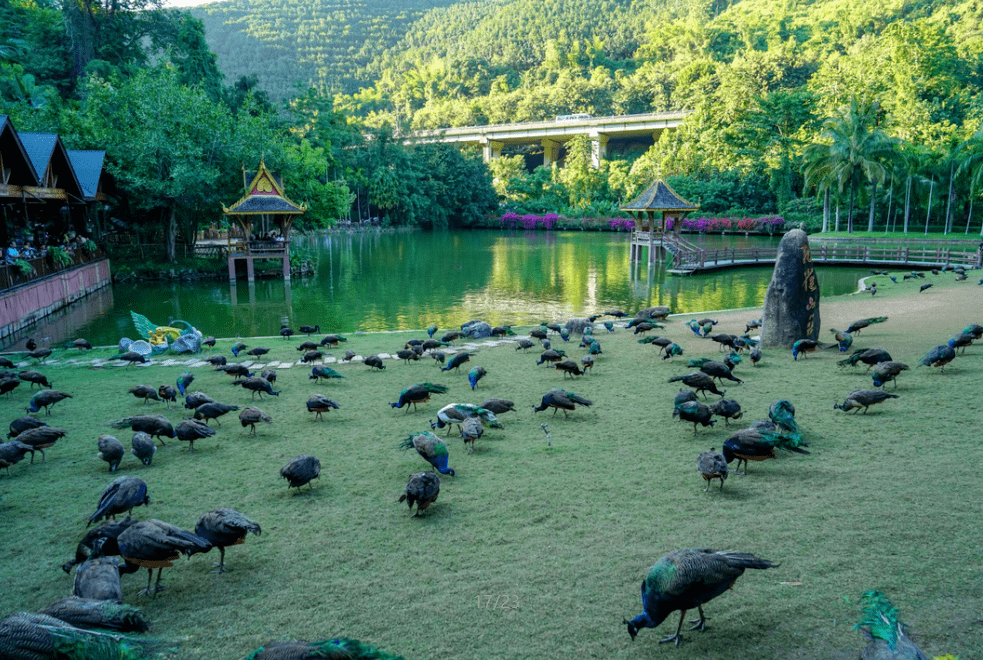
[[786, 441], [434, 388], [879, 618], [876, 319], [339, 648], [406, 443]]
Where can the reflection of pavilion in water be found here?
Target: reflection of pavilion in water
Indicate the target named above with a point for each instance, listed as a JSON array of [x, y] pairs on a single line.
[[61, 325]]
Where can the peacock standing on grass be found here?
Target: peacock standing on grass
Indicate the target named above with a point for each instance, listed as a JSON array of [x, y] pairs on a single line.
[[184, 381], [431, 448], [339, 648], [27, 636], [476, 374], [323, 372], [685, 579], [857, 326], [712, 465], [844, 340], [887, 637], [939, 357], [755, 444], [782, 412], [418, 393]]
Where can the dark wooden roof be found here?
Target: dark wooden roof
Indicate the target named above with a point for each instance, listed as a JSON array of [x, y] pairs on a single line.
[[88, 170], [46, 150], [659, 197], [265, 196], [15, 156]]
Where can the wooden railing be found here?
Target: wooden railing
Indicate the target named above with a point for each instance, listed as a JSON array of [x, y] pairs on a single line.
[[11, 275], [850, 254]]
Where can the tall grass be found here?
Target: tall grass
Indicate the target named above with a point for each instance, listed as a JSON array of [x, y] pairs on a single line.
[[889, 500]]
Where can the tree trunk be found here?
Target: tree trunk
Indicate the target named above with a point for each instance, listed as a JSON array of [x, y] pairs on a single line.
[[873, 207], [907, 204], [826, 211], [952, 194], [969, 218], [928, 211], [170, 238], [849, 215], [837, 215], [890, 200]]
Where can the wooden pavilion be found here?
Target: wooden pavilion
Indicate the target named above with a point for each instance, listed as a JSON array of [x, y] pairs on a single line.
[[651, 210], [266, 203]]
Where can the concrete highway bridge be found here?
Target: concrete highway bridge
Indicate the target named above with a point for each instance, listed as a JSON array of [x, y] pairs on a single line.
[[553, 134]]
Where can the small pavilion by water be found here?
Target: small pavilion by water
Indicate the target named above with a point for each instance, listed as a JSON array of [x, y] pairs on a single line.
[[652, 209], [266, 204]]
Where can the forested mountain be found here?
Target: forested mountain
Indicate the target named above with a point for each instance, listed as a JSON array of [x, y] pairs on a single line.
[[290, 45]]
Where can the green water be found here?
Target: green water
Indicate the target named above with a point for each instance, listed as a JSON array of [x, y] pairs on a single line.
[[409, 280]]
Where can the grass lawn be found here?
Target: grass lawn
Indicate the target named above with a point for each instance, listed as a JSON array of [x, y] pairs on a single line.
[[913, 236], [889, 500]]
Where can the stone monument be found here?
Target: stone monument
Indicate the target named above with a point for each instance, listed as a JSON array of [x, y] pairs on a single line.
[[792, 301]]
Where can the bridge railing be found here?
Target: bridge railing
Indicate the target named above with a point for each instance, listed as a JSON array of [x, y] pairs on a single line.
[[830, 254]]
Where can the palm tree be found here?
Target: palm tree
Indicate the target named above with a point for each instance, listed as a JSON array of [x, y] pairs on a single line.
[[970, 157], [858, 150]]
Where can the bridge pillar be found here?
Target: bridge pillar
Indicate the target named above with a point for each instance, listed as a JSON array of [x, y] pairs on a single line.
[[491, 148], [551, 152], [598, 148]]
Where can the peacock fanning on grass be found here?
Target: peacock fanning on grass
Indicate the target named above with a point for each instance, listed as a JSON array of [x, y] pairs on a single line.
[[887, 638]]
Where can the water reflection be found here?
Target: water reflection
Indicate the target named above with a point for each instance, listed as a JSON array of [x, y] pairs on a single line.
[[407, 280]]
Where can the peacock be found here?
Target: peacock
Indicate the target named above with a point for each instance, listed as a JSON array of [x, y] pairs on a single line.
[[431, 448], [587, 362], [724, 340], [869, 356], [961, 340], [41, 438], [34, 378], [318, 404], [132, 357], [332, 340], [719, 370], [307, 346], [858, 399], [251, 416], [223, 527], [844, 340], [728, 409], [433, 345], [98, 576], [695, 412], [551, 355], [857, 326], [168, 394], [456, 413], [143, 447], [804, 346], [301, 470], [558, 399], [111, 450], [569, 368], [145, 392], [476, 374], [8, 385], [672, 350], [216, 360], [684, 579], [237, 348], [498, 406], [183, 381], [502, 331], [12, 453], [782, 413], [213, 410], [938, 357], [191, 429], [340, 648], [418, 393], [471, 430], [314, 356], [46, 399], [153, 425], [24, 423], [422, 489], [105, 534], [887, 638], [89, 613], [256, 385], [699, 381], [27, 636], [456, 361], [712, 465], [327, 373], [122, 496], [373, 362], [755, 444], [156, 544], [431, 330]]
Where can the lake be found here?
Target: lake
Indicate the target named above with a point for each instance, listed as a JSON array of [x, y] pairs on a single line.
[[411, 279]]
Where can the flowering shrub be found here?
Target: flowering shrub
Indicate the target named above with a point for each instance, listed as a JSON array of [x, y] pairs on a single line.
[[621, 224], [769, 224]]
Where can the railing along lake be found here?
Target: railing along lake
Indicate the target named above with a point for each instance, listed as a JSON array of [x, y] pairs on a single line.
[[12, 276]]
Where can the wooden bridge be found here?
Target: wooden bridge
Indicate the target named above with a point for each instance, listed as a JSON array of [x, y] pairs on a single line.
[[688, 258]]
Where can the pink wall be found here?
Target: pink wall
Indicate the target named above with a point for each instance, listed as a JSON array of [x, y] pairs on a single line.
[[25, 305]]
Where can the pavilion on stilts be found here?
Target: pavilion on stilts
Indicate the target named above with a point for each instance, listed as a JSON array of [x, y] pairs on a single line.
[[652, 210], [267, 205]]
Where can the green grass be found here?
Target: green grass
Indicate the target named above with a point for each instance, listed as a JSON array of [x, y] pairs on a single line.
[[913, 236], [889, 500]]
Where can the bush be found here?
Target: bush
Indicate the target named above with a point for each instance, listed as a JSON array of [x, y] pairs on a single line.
[[60, 257], [24, 267]]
